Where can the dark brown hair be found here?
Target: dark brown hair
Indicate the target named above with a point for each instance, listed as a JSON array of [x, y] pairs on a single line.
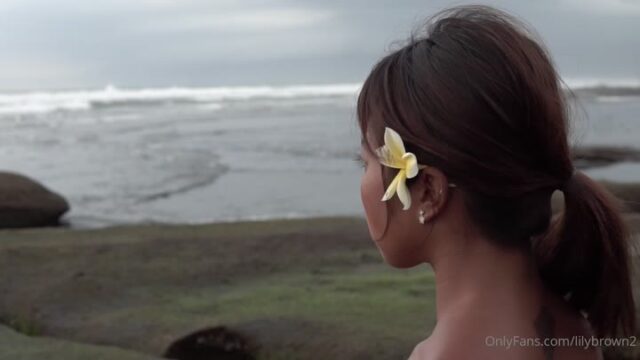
[[477, 97]]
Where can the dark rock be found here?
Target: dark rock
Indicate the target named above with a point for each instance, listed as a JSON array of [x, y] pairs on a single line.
[[219, 343], [593, 156], [603, 90], [628, 194], [26, 203]]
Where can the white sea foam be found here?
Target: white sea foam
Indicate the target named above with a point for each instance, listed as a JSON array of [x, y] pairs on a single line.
[[26, 106], [210, 106], [210, 98], [120, 117], [590, 82], [617, 99], [43, 102]]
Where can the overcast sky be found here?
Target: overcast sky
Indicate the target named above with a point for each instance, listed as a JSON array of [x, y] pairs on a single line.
[[62, 44]]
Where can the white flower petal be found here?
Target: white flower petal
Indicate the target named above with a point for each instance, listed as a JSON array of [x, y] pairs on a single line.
[[410, 164], [386, 158], [391, 190], [394, 142], [403, 192]]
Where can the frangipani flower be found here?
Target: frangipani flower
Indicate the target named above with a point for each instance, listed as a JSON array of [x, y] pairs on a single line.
[[392, 154]]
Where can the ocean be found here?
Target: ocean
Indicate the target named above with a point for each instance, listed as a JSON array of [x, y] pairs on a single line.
[[193, 155]]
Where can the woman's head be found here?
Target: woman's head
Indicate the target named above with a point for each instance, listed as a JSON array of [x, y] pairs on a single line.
[[476, 98], [398, 227]]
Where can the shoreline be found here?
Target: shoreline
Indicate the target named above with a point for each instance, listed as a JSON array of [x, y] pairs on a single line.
[[627, 192]]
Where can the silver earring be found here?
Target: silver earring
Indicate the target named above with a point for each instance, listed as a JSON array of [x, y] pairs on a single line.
[[421, 217]]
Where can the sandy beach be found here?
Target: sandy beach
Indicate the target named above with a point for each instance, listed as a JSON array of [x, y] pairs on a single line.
[[301, 289]]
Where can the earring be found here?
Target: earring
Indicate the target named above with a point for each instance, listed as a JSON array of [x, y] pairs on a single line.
[[421, 217]]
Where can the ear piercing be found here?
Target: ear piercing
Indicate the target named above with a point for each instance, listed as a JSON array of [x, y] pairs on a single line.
[[421, 217]]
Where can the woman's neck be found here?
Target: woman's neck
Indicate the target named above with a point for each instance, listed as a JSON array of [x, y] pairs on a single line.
[[475, 273]]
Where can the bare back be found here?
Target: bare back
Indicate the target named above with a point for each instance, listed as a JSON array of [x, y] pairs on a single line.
[[467, 336]]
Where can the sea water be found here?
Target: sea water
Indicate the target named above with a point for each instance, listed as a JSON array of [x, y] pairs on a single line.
[[190, 155]]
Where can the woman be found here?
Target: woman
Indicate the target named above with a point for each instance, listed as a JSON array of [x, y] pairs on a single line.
[[464, 138]]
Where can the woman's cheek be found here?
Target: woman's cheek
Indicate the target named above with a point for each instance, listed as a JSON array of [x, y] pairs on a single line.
[[371, 191]]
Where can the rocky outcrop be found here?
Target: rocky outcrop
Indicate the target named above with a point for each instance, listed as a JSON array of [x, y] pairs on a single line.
[[27, 203], [593, 156], [627, 193]]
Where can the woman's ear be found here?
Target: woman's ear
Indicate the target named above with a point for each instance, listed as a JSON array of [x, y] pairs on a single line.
[[432, 190]]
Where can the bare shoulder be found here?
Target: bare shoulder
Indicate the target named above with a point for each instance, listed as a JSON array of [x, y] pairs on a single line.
[[447, 345], [428, 350], [469, 338], [420, 351]]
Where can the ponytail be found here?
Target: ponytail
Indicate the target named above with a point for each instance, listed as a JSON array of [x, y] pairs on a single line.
[[584, 257]]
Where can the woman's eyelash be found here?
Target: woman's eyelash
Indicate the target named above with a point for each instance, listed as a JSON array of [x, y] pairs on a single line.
[[358, 158]]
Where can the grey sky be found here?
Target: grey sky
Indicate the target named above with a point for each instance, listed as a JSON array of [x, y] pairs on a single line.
[[62, 44]]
